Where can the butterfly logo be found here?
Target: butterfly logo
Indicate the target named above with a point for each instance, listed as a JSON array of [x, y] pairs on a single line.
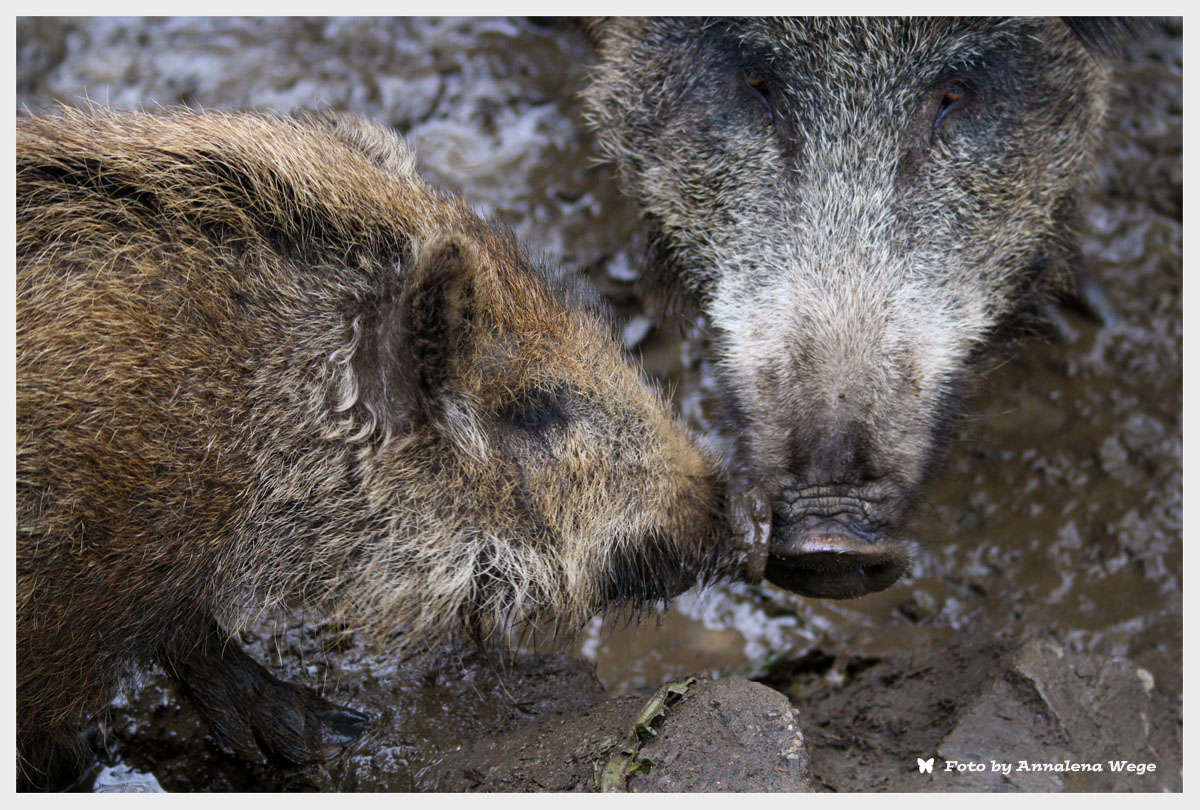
[[924, 765]]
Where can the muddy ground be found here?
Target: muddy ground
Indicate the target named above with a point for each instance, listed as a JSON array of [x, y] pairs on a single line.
[[1042, 621]]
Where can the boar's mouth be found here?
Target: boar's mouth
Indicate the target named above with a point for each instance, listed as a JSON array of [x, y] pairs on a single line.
[[830, 551]]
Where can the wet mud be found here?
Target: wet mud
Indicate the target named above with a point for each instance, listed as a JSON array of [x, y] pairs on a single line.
[[1042, 622]]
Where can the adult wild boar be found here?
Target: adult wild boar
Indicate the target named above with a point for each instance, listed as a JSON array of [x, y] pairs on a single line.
[[260, 362], [860, 208]]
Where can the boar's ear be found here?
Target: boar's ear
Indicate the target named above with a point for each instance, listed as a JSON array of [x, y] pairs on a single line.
[[595, 28], [410, 343], [1110, 36]]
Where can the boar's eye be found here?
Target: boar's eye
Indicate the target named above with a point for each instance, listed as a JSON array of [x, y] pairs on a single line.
[[536, 410], [954, 97], [758, 87]]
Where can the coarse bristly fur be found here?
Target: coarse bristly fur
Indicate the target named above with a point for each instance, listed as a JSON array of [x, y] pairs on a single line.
[[861, 208], [260, 362]]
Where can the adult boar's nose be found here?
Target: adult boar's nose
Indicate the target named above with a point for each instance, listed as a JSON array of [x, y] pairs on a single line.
[[829, 559], [832, 528]]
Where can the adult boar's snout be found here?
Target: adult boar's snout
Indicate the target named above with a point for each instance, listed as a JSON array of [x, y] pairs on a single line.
[[829, 559], [827, 542]]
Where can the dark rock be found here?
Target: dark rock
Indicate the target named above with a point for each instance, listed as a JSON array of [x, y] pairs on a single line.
[[1056, 708], [726, 735]]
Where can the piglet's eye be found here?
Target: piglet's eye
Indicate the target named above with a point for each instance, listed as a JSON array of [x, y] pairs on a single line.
[[536, 410], [954, 97]]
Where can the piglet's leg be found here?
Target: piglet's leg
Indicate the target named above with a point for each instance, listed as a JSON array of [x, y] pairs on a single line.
[[258, 716]]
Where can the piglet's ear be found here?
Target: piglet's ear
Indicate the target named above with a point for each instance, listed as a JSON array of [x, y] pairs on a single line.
[[411, 341]]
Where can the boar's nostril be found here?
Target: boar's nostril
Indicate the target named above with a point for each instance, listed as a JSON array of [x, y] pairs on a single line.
[[830, 561]]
